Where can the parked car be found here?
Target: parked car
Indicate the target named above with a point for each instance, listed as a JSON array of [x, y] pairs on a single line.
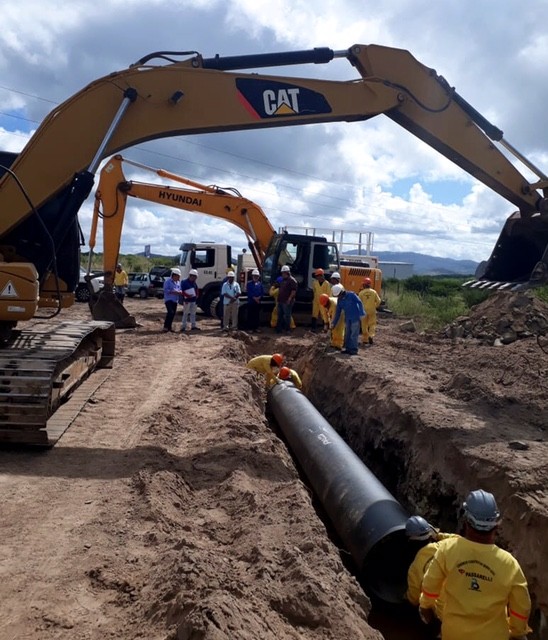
[[144, 285], [82, 293]]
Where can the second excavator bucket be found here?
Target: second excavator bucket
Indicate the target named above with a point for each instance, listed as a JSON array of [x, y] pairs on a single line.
[[520, 257], [107, 307]]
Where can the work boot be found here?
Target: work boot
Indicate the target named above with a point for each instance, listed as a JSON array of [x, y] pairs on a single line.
[[370, 340]]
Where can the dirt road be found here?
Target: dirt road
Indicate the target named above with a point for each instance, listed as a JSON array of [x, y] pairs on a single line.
[[171, 510]]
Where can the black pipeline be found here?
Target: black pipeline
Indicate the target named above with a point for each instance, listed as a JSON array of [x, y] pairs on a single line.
[[368, 519]]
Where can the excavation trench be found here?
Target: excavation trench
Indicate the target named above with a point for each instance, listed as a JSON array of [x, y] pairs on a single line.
[[427, 459]]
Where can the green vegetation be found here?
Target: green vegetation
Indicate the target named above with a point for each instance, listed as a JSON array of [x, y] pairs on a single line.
[[431, 301], [130, 262], [435, 301]]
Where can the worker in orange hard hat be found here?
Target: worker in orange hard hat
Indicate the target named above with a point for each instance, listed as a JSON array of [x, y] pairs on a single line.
[[267, 365], [319, 286], [328, 307], [290, 375], [371, 301]]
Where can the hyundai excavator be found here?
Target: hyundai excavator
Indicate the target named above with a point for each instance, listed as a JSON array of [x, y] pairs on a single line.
[[270, 250], [177, 93]]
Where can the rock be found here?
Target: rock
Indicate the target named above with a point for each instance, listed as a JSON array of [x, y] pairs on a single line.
[[518, 445], [408, 327], [508, 337]]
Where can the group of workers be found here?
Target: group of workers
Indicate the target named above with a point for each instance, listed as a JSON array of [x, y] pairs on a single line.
[[475, 589], [344, 313]]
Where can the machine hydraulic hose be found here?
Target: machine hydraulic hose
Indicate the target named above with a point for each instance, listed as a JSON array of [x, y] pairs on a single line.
[[368, 519]]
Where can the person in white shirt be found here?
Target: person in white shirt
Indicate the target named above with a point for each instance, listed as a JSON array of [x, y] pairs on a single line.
[[230, 293]]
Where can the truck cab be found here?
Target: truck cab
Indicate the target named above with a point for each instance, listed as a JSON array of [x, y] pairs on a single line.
[[211, 261]]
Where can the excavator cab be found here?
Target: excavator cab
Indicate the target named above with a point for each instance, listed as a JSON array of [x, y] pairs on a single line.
[[520, 257]]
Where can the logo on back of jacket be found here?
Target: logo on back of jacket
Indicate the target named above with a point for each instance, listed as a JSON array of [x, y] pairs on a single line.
[[271, 99]]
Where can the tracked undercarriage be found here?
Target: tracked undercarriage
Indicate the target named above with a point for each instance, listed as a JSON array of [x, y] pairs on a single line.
[[40, 367]]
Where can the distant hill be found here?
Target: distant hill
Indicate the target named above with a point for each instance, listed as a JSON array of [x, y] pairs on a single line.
[[425, 265]]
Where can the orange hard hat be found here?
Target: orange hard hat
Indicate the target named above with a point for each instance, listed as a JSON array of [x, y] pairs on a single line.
[[367, 280], [285, 373], [324, 299], [318, 272], [278, 358]]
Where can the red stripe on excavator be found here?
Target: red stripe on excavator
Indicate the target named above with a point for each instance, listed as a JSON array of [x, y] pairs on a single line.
[[431, 595], [517, 615], [248, 107]]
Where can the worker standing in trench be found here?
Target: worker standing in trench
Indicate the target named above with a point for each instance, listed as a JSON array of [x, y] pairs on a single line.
[[290, 375], [485, 591], [423, 539]]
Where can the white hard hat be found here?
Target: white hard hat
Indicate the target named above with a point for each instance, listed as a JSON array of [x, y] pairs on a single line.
[[417, 528], [193, 272], [230, 274], [285, 269], [255, 272], [175, 272], [481, 511], [337, 289], [336, 274]]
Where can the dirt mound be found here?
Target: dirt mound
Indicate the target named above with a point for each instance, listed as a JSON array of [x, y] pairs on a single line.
[[503, 317]]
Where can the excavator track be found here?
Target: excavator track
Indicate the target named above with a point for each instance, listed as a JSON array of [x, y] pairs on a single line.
[[40, 367]]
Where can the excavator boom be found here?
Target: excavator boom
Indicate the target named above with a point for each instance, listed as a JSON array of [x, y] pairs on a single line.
[[199, 95]]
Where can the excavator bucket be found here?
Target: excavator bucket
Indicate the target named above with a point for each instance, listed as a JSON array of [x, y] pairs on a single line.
[[107, 307], [520, 257]]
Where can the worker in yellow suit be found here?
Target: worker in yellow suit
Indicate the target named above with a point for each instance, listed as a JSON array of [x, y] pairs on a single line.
[[267, 365], [423, 538], [328, 307], [485, 591], [274, 291], [290, 375], [319, 286], [371, 301]]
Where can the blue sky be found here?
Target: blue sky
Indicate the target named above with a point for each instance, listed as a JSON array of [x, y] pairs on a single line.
[[371, 176]]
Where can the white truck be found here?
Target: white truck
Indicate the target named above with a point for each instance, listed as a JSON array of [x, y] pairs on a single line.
[[212, 261]]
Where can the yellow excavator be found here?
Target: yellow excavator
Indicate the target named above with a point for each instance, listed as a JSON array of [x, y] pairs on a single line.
[[177, 93], [270, 250]]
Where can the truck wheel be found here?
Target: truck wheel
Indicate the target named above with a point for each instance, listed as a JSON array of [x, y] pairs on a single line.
[[143, 293], [216, 308], [82, 293], [207, 302]]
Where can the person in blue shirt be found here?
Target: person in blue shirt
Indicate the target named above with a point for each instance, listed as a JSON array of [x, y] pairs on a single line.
[[189, 293], [352, 306], [255, 291], [172, 292]]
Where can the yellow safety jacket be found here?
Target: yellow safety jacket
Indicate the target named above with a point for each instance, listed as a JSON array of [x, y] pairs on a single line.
[[328, 314], [370, 300], [261, 364], [418, 568], [318, 289], [120, 279], [486, 595]]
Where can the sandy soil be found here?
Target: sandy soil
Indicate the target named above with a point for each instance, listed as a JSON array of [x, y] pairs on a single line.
[[171, 510]]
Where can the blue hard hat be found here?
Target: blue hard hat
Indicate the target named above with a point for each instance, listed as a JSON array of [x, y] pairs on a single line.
[[417, 528]]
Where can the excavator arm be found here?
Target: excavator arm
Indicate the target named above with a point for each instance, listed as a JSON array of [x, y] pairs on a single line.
[[199, 95], [110, 206], [114, 189]]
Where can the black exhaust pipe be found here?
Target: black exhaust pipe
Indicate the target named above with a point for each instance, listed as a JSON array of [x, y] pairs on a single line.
[[368, 519]]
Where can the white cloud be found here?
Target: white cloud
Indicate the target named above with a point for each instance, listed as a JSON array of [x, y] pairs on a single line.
[[372, 174]]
